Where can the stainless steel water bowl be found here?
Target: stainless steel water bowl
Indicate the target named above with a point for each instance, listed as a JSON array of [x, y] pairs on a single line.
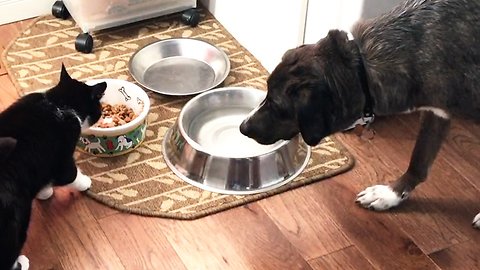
[[205, 147], [179, 66]]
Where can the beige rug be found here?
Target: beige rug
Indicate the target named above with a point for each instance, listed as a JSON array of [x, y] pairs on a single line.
[[140, 182]]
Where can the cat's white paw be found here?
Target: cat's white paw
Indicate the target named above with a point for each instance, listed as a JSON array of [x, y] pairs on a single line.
[[82, 182], [23, 261], [476, 221], [45, 193], [379, 197]]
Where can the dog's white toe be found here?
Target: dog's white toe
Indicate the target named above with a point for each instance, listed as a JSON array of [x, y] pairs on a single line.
[[476, 221], [45, 193], [23, 261], [378, 197], [82, 182]]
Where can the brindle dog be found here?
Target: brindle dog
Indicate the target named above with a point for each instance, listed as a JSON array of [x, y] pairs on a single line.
[[424, 56]]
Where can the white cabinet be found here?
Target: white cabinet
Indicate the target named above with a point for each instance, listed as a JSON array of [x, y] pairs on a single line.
[[267, 28], [323, 15]]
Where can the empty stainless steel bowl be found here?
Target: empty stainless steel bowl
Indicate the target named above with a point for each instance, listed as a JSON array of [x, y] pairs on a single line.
[[205, 147], [179, 66]]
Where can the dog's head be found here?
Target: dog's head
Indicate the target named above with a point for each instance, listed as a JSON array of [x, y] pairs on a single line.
[[314, 91]]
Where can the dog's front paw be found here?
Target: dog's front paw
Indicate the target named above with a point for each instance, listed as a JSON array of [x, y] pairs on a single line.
[[23, 261], [82, 182], [476, 221], [45, 193], [379, 197]]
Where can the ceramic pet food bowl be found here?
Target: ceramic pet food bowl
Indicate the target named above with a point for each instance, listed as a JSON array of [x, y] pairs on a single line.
[[122, 127], [179, 66], [206, 149]]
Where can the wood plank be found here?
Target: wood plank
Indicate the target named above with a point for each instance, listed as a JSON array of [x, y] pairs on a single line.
[[460, 256], [473, 127], [381, 240], [372, 167], [46, 259], [131, 234], [75, 236], [346, 259], [432, 217], [305, 223], [463, 151], [99, 210], [241, 238]]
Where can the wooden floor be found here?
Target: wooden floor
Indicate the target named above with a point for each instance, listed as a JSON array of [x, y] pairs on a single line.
[[315, 227]]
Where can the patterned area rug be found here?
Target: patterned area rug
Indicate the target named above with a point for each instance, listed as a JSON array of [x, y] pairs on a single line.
[[140, 182]]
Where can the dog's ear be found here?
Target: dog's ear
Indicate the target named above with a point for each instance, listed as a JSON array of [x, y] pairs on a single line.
[[313, 116], [289, 57], [337, 36], [337, 42]]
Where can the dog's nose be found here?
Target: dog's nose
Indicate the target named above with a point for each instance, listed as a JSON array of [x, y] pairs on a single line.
[[244, 127]]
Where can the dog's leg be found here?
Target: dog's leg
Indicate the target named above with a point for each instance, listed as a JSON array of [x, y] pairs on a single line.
[[433, 131]]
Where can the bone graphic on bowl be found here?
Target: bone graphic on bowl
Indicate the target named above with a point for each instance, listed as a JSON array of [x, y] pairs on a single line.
[[124, 93]]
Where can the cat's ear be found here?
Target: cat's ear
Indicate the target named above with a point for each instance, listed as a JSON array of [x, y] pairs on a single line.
[[7, 145], [64, 74], [98, 90]]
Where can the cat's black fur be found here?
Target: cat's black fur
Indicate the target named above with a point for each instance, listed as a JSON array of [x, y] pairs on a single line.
[[38, 134]]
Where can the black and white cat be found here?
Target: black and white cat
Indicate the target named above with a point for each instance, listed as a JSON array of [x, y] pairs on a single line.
[[38, 134]]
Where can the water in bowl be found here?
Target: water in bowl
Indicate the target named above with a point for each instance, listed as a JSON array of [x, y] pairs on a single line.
[[217, 131]]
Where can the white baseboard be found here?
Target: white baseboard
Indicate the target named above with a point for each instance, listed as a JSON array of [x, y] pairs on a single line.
[[16, 10]]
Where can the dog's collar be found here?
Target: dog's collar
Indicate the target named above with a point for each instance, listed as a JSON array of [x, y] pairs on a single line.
[[363, 76]]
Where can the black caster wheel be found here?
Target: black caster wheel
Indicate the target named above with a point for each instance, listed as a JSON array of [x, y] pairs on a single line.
[[84, 43], [191, 17], [59, 10]]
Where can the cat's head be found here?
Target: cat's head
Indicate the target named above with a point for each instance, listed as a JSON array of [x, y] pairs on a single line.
[[71, 94]]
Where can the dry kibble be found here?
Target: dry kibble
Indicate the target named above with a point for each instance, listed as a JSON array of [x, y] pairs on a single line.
[[115, 115]]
